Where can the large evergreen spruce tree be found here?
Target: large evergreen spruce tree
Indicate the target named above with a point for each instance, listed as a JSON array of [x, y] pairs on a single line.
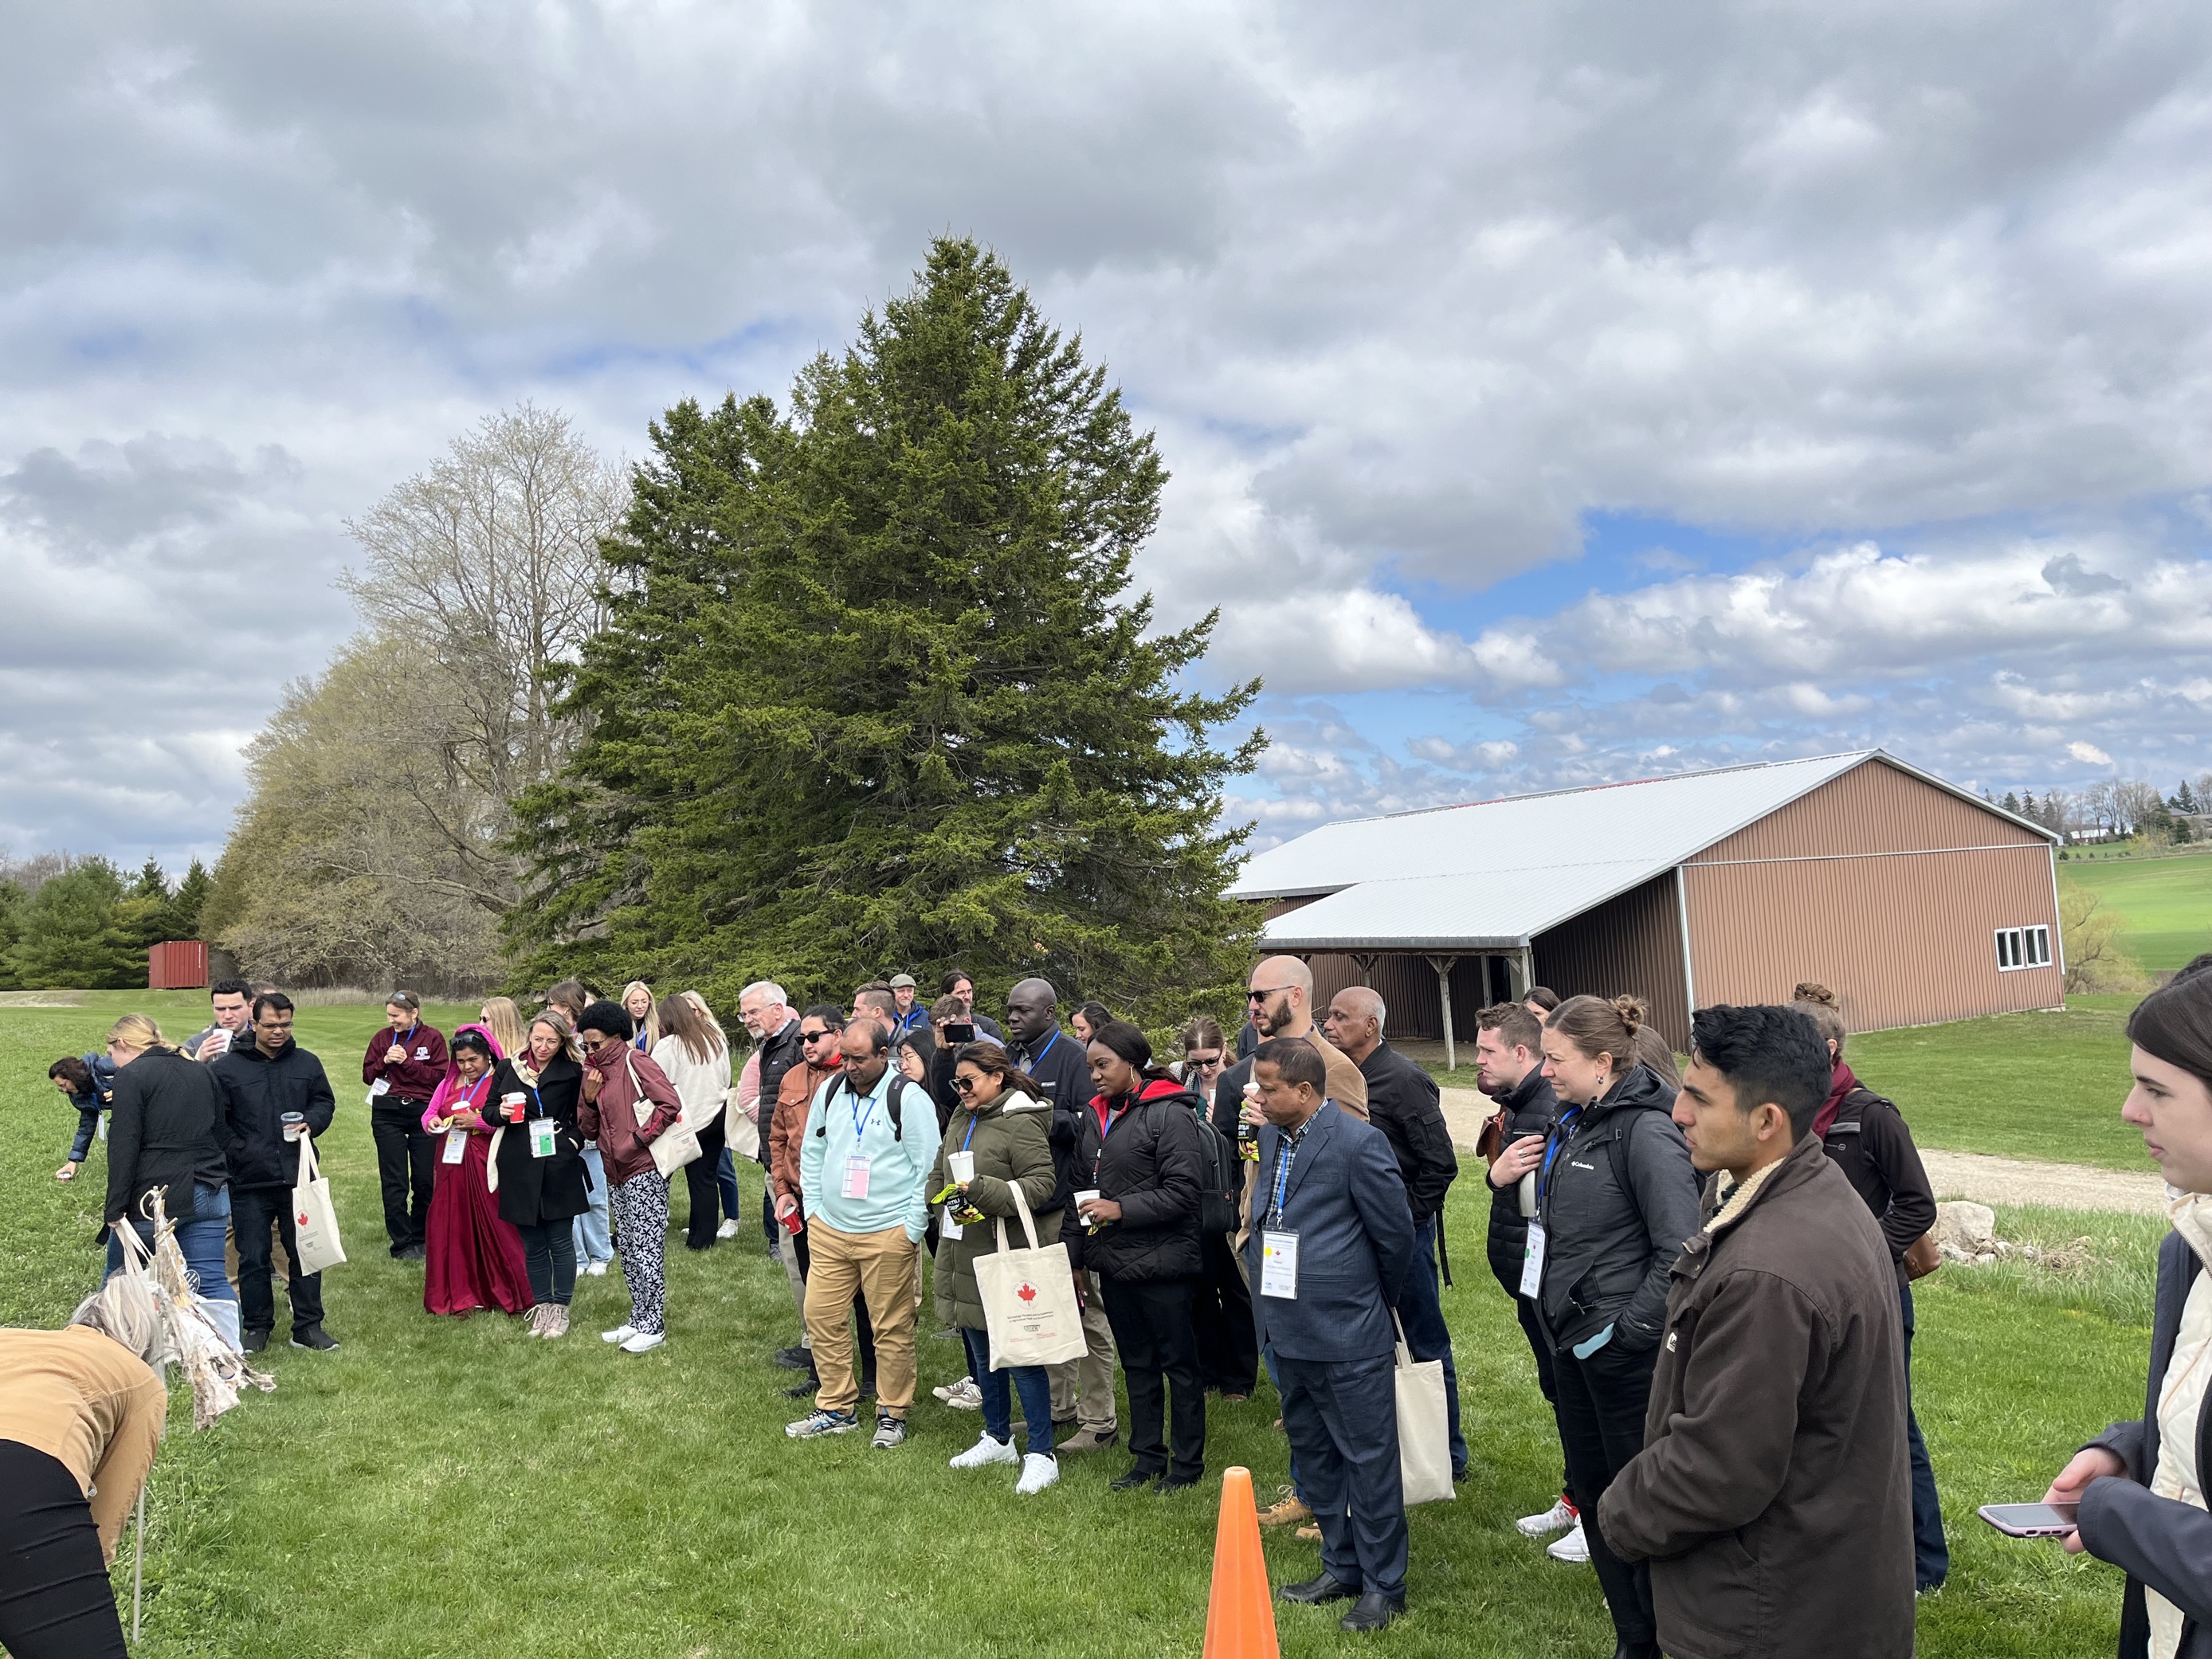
[[875, 695]]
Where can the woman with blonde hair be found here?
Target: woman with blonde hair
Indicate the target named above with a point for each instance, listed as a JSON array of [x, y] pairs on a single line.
[[644, 1013], [695, 1056], [536, 1162], [165, 1136], [1615, 1197], [500, 1017]]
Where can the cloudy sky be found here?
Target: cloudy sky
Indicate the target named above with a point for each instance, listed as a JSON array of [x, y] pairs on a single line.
[[1554, 393]]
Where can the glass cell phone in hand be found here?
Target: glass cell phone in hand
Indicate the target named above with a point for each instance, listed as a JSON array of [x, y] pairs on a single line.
[[2030, 1520]]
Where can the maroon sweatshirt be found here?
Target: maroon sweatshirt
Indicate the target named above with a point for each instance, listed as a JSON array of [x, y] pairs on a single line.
[[418, 1076]]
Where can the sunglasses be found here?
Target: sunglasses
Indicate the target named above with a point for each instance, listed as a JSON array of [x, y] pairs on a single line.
[[815, 1037], [1204, 1062], [1272, 991], [966, 1085]]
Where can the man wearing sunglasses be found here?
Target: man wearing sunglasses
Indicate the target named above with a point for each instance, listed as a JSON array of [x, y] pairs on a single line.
[[819, 1031]]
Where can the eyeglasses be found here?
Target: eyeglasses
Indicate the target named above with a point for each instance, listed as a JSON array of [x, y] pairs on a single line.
[[966, 1085], [1259, 995]]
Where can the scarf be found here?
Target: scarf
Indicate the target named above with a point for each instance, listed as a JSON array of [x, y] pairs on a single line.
[[1841, 1084]]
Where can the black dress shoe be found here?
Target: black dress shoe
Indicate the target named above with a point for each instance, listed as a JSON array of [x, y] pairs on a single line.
[[1372, 1611], [797, 1357], [1134, 1478], [1327, 1588], [1636, 1650], [1168, 1483]]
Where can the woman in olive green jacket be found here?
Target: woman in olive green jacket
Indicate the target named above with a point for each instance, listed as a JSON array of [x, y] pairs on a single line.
[[1001, 1123]]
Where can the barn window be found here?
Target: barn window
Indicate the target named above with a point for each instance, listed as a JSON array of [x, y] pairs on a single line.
[[2023, 947]]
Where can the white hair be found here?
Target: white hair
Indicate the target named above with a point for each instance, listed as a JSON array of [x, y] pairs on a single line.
[[767, 987]]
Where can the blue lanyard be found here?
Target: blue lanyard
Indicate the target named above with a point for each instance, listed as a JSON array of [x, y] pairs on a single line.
[[1552, 1149], [469, 1094], [1283, 1145], [968, 1138], [1038, 1059], [860, 1121]]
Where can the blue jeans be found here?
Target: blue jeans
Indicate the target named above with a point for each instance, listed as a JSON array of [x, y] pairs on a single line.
[[1931, 1556], [1035, 1385], [594, 1239], [726, 1178], [1421, 1311], [87, 1126], [200, 1240]]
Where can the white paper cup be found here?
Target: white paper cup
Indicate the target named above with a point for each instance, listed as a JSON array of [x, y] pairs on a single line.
[[961, 1166], [1083, 1197]]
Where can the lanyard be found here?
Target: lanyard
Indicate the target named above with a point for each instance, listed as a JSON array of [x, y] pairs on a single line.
[[1552, 1148], [970, 1136], [1038, 1059], [1286, 1149], [861, 1121], [1114, 1116], [469, 1094]]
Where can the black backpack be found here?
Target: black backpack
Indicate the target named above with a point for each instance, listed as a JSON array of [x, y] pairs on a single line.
[[1224, 1179], [899, 1081]]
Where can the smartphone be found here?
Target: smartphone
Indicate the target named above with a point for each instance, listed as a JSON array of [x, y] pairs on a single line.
[[2031, 1520], [959, 1030]]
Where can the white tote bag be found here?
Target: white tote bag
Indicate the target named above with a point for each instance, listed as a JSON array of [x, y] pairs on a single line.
[[1029, 1299], [741, 1135], [1424, 1431], [678, 1145], [314, 1218]]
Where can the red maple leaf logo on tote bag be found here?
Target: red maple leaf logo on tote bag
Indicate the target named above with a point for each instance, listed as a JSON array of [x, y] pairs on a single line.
[[1027, 1291]]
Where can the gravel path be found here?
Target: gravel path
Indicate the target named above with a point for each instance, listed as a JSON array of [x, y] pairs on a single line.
[[1955, 1175]]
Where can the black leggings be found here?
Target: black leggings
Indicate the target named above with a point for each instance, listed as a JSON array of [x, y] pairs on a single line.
[[55, 1601], [549, 1255], [699, 1183]]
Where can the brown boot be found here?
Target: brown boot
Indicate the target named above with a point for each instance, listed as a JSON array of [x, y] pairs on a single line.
[[1084, 1440], [1289, 1507]]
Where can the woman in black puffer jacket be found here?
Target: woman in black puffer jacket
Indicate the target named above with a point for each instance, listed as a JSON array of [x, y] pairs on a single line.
[[1138, 1148]]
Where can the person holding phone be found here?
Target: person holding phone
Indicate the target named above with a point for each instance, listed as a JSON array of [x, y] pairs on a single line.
[[2140, 1484]]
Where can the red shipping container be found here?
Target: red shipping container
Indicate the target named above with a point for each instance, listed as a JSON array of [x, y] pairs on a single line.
[[177, 965]]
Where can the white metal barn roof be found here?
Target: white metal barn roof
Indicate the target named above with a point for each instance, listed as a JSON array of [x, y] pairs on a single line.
[[1493, 874]]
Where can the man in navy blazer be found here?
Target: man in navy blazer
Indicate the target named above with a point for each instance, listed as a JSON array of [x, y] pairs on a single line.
[[1332, 1238]]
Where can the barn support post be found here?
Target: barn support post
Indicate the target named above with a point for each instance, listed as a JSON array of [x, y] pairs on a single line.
[[1366, 966], [1443, 967]]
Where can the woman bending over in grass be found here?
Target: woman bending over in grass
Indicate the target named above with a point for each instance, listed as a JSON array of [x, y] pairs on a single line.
[[2140, 1484]]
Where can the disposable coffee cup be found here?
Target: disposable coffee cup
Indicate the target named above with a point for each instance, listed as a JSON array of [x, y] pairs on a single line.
[[295, 1125], [1084, 1197], [961, 1165]]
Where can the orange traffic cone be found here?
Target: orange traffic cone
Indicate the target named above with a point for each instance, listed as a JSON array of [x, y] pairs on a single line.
[[1239, 1616]]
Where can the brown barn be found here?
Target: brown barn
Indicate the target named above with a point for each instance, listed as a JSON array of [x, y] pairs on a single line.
[[1915, 900]]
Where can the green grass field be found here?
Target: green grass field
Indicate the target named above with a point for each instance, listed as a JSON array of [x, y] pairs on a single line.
[[2166, 903], [443, 1487]]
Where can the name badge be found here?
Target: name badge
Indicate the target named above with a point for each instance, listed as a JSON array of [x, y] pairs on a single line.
[[946, 1226], [856, 1178], [381, 1087], [541, 1136], [1279, 1265], [1532, 1261], [457, 1145]]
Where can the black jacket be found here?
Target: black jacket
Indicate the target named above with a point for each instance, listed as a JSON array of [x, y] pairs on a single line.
[[1150, 1162], [1870, 1144], [256, 1092], [1529, 1108], [1405, 1104], [1617, 1198], [535, 1190], [778, 1054], [166, 1132], [2155, 1540], [1062, 1071]]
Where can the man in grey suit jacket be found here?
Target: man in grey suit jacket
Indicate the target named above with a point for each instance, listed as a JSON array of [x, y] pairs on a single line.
[[1332, 1237]]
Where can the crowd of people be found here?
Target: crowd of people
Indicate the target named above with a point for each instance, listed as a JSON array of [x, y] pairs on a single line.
[[1712, 1267]]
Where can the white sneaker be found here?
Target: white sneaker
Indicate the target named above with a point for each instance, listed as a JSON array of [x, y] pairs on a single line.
[[1574, 1548], [1038, 1472], [1558, 1518], [965, 1396], [597, 1269], [620, 1333], [985, 1452], [644, 1341], [728, 1229], [947, 1391]]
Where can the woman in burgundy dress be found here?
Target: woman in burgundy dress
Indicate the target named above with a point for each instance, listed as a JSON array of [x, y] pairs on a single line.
[[474, 1258]]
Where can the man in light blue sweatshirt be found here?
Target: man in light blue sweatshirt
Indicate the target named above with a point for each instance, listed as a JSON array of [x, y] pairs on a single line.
[[871, 1141]]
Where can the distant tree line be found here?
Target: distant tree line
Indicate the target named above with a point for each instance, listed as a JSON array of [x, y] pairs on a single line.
[[82, 923], [2116, 809]]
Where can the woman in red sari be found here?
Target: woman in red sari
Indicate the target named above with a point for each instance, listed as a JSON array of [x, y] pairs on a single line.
[[474, 1259]]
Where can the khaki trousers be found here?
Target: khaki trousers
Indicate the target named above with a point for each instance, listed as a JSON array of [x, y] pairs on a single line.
[[883, 1269], [1085, 1386]]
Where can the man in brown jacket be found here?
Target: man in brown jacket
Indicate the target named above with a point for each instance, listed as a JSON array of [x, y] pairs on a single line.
[[1773, 1497]]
